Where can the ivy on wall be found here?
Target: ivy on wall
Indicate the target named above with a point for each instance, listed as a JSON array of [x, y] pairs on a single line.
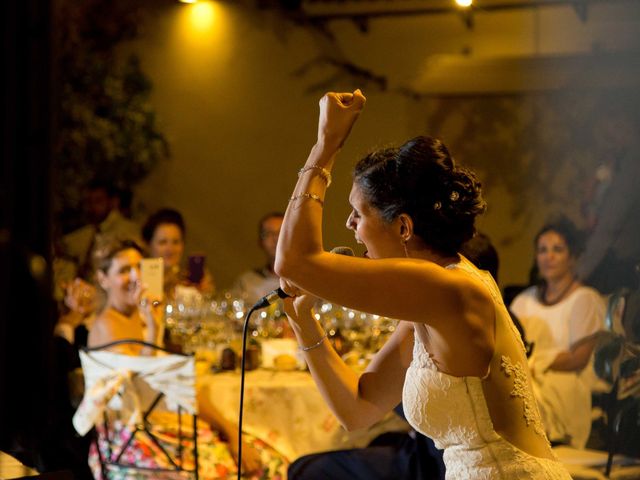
[[106, 125], [541, 148]]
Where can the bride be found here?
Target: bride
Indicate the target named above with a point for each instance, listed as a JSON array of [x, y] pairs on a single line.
[[456, 361]]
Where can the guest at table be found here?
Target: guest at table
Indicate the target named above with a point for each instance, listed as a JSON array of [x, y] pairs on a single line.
[[69, 449], [76, 304], [77, 312], [164, 232], [103, 216], [559, 316], [454, 360], [255, 283], [129, 312]]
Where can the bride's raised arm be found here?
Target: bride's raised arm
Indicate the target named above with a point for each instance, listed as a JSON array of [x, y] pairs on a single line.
[[393, 285]]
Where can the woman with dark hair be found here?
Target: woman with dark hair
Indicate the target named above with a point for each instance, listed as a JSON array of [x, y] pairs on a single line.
[[164, 233], [560, 316], [455, 361]]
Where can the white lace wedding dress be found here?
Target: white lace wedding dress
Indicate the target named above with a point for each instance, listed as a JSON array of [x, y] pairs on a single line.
[[453, 410]]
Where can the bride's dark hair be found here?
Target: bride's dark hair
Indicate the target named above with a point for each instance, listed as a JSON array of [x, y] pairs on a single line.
[[421, 179]]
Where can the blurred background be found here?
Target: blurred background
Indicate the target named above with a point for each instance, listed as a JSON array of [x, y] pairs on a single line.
[[210, 107]]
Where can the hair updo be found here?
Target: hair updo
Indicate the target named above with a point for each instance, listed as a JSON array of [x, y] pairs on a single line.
[[421, 179]]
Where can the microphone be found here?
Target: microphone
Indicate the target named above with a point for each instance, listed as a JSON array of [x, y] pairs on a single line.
[[278, 293], [270, 298]]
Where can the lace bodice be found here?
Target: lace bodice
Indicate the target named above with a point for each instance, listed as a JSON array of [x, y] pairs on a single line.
[[454, 413]]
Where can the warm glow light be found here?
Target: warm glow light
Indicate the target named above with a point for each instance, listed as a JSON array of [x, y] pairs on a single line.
[[464, 3], [202, 14], [188, 1], [201, 41]]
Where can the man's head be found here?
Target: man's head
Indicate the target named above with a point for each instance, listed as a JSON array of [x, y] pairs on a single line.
[[268, 232], [99, 199]]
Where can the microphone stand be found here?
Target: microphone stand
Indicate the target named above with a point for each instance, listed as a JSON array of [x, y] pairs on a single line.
[[262, 303], [245, 329]]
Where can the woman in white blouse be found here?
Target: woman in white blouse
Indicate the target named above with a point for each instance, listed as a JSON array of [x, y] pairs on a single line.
[[560, 316]]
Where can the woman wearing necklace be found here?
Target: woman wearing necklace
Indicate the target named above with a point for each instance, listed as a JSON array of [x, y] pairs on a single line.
[[560, 316]]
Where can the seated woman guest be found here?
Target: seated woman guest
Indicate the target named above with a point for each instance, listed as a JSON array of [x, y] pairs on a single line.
[[130, 313], [559, 316], [455, 361], [164, 233]]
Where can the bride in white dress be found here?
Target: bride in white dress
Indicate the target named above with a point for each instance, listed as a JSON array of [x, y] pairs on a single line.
[[455, 361]]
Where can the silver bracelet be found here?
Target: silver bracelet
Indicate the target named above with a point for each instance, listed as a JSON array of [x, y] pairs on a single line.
[[315, 345]]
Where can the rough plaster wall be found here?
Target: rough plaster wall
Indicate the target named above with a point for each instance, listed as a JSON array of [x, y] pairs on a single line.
[[239, 106]]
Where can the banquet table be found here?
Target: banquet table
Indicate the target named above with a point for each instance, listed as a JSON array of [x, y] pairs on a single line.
[[285, 409]]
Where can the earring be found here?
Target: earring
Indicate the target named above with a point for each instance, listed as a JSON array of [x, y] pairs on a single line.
[[404, 245]]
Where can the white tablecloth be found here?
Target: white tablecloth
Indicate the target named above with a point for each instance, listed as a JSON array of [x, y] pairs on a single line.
[[286, 410]]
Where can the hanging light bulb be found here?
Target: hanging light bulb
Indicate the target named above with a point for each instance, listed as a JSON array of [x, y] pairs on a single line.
[[464, 3]]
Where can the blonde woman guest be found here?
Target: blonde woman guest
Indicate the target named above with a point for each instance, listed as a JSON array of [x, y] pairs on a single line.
[[130, 313]]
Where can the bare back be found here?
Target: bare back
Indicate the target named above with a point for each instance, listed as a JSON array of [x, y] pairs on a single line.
[[486, 425]]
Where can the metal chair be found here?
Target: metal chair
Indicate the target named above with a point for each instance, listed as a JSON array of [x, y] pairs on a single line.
[[124, 387], [617, 361]]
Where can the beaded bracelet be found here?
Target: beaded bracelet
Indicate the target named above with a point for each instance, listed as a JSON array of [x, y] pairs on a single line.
[[312, 196], [323, 172], [315, 345]]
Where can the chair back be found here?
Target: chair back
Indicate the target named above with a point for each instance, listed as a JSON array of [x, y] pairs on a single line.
[[617, 360], [124, 393]]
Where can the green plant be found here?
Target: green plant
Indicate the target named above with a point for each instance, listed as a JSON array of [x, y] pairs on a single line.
[[107, 127]]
